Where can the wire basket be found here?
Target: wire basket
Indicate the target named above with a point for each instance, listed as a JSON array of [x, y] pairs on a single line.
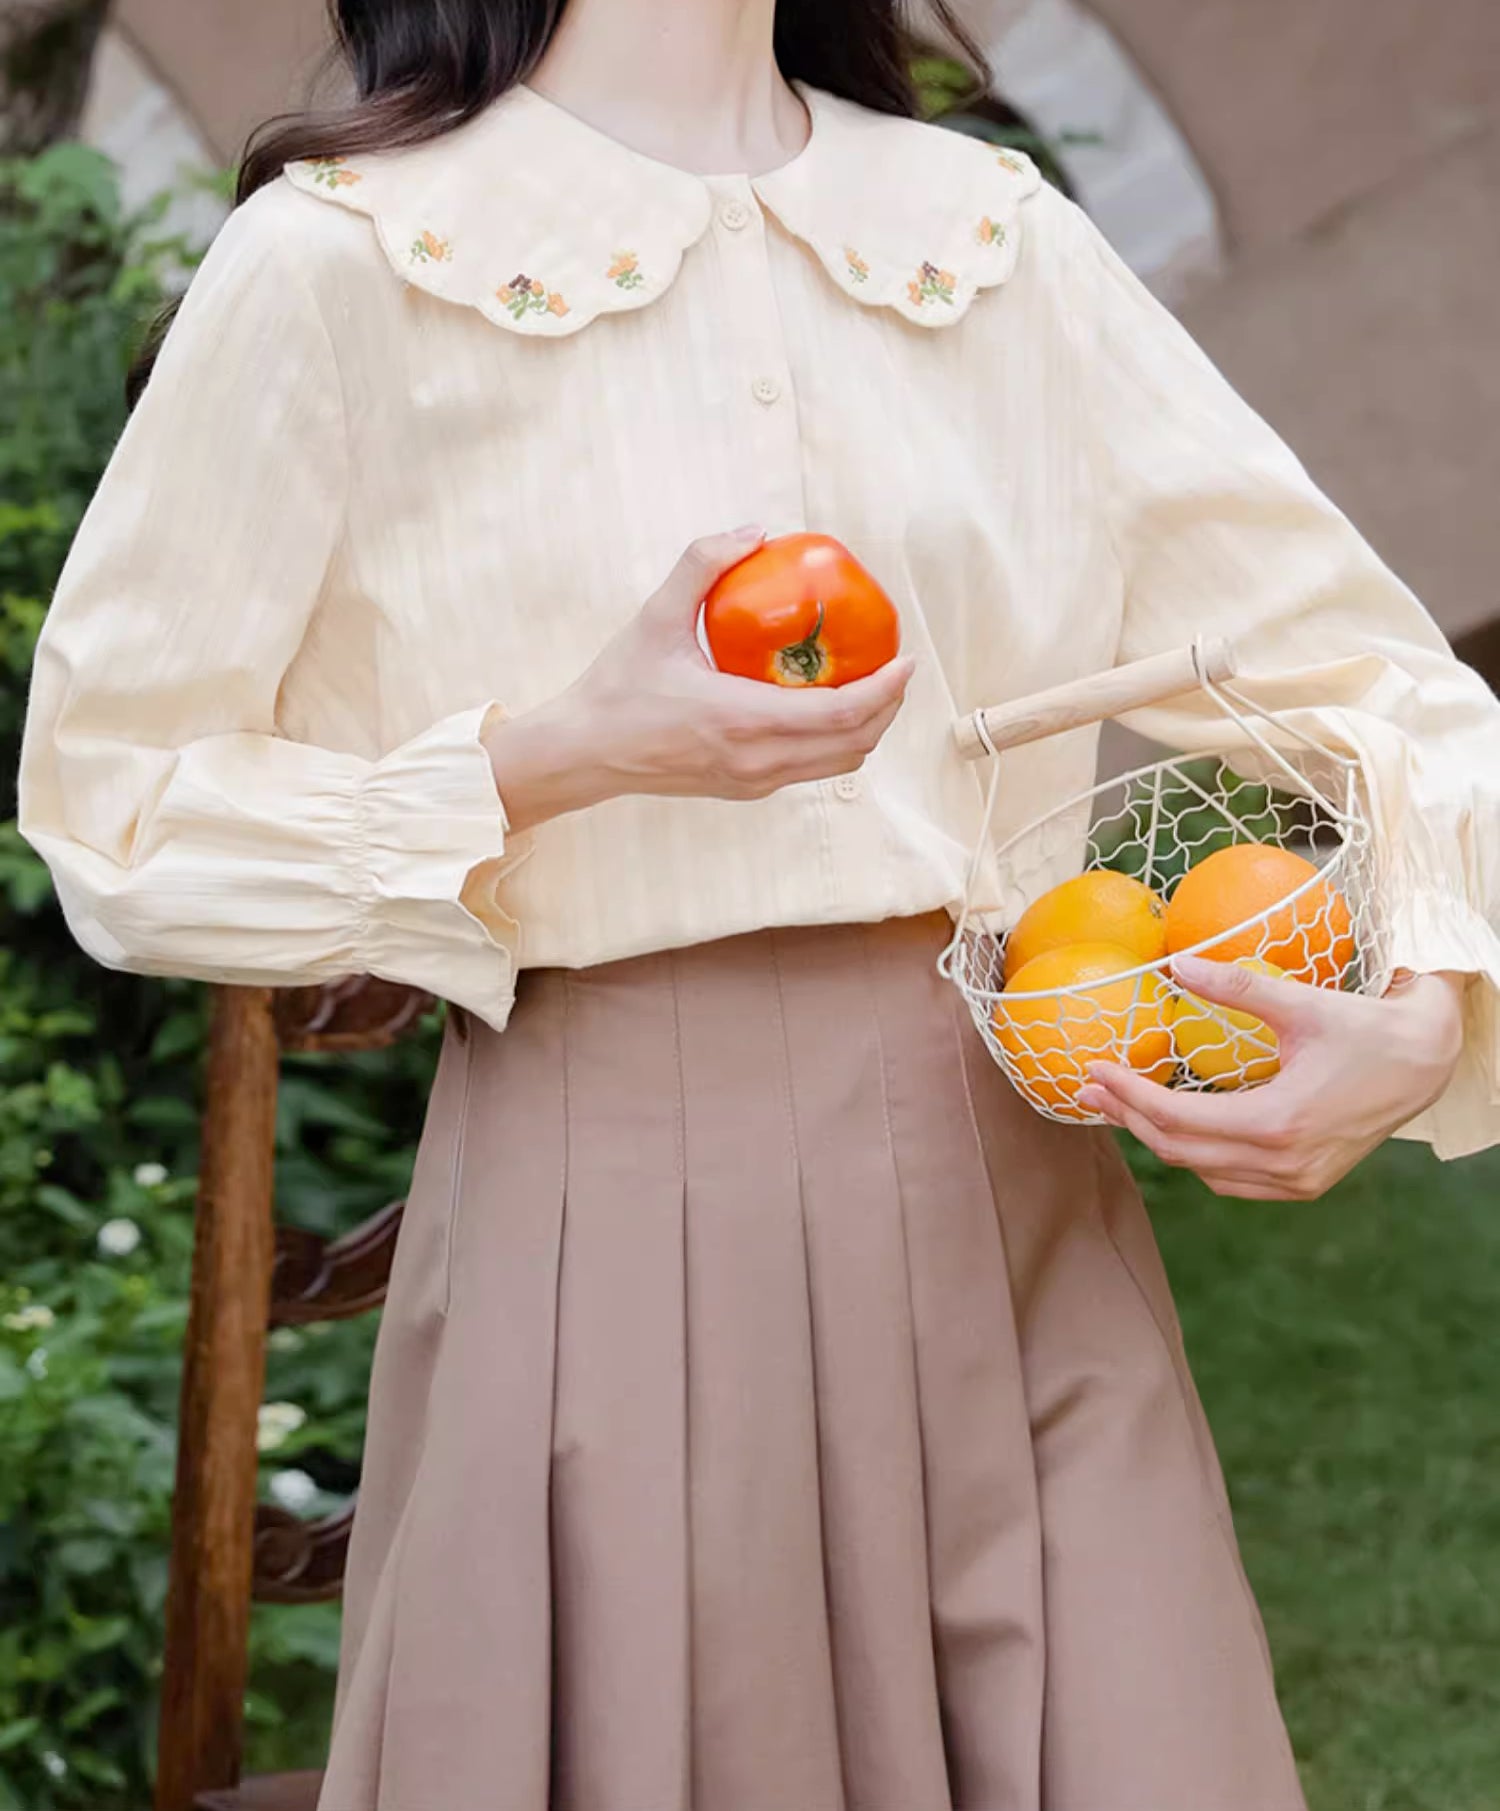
[[1319, 918]]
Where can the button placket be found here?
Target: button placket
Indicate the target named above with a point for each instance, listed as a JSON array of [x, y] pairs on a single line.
[[768, 424]]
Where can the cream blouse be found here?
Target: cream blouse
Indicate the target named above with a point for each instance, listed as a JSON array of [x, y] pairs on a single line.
[[432, 424]]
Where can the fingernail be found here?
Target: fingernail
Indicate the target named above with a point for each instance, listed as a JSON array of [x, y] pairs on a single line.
[[748, 531], [1193, 968], [1094, 1100]]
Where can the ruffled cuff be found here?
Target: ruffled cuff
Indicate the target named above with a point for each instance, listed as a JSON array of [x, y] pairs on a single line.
[[1434, 929], [433, 848]]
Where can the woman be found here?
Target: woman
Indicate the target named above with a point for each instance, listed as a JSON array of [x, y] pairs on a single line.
[[772, 1413]]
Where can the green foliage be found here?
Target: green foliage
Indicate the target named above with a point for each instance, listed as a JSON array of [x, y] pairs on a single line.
[[99, 1077], [1160, 827], [1345, 1350], [948, 93]]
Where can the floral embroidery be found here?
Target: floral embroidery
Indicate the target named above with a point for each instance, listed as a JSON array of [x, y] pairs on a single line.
[[427, 248], [623, 272], [524, 295], [990, 232], [931, 285], [859, 271], [331, 172], [1008, 160]]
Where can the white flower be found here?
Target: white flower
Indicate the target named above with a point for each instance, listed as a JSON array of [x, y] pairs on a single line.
[[293, 1490], [36, 1364], [274, 1421], [284, 1339], [55, 1764], [149, 1175], [35, 1319], [118, 1238]]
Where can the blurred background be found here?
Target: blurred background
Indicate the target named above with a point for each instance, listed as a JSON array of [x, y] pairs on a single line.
[[1315, 186]]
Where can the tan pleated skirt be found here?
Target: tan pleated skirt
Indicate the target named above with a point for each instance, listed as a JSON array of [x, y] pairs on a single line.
[[772, 1413]]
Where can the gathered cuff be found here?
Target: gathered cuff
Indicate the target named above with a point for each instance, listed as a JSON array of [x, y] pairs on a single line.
[[434, 846], [1435, 929]]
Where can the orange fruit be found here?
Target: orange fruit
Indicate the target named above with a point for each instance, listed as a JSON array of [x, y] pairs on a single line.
[[1098, 907], [1223, 1046], [1308, 939], [1050, 1040]]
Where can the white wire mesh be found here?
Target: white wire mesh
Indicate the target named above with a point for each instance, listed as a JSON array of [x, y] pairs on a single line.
[[1155, 825]]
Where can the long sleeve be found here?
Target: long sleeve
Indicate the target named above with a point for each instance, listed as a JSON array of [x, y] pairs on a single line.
[[184, 834], [1219, 530]]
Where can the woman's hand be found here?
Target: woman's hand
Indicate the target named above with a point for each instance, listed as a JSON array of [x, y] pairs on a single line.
[[1353, 1069], [651, 715]]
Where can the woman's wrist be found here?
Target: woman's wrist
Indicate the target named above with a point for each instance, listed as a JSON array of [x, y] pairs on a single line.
[[547, 762], [1434, 1005]]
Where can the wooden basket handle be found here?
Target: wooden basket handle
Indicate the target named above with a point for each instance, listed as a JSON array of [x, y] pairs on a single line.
[[1090, 700]]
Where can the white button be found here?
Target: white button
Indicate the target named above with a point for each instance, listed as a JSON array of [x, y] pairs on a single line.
[[847, 785], [734, 215], [765, 389]]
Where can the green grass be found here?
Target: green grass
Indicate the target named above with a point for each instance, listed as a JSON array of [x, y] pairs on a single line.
[[1348, 1353]]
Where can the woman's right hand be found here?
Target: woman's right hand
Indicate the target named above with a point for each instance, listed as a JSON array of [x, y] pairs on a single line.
[[651, 715]]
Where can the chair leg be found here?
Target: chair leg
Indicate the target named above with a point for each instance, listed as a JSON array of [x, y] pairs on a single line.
[[213, 1510]]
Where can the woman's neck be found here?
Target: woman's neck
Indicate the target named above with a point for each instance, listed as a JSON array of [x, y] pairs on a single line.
[[690, 82]]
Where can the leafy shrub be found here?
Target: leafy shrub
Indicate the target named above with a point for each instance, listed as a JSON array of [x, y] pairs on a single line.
[[99, 1076]]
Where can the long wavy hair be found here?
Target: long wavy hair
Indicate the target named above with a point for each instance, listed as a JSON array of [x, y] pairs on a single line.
[[423, 67]]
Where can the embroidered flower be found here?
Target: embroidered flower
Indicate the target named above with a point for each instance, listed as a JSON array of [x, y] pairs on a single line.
[[1008, 160], [859, 271], [524, 295], [427, 248], [990, 232], [623, 272], [332, 173], [931, 285]]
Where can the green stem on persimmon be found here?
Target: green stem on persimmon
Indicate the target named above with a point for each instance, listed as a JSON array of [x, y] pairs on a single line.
[[803, 661]]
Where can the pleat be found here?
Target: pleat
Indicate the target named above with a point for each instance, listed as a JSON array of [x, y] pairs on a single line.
[[874, 1515], [983, 1516], [353, 1776], [406, 1354], [764, 1724], [619, 1480], [1159, 1694], [467, 1711]]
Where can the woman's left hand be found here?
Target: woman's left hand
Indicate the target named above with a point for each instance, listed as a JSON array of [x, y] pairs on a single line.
[[1353, 1069]]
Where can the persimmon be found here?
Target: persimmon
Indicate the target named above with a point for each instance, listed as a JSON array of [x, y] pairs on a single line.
[[800, 610]]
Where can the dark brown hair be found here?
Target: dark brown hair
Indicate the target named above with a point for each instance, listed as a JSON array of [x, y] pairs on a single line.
[[422, 67]]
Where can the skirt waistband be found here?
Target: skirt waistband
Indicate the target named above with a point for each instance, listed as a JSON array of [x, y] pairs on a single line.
[[844, 949]]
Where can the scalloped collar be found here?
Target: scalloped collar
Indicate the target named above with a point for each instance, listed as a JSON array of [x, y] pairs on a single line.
[[543, 223]]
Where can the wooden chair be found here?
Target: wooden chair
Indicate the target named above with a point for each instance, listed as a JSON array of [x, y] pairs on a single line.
[[250, 1275]]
